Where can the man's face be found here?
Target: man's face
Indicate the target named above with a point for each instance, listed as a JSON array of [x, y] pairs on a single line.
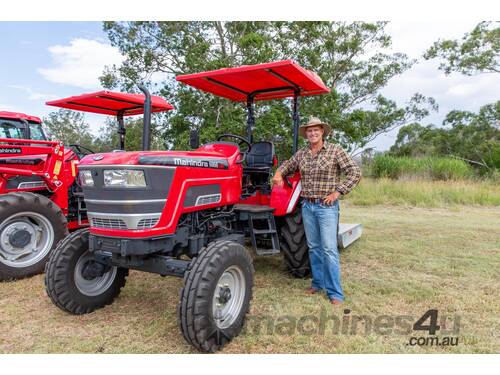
[[314, 134]]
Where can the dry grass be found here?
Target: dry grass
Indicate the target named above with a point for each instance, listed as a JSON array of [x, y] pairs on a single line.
[[408, 261]]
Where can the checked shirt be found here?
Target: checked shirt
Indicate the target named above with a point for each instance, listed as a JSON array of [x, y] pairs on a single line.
[[320, 174]]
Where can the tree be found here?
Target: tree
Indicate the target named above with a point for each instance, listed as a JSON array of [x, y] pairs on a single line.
[[347, 56], [108, 139], [68, 126], [472, 137], [477, 52]]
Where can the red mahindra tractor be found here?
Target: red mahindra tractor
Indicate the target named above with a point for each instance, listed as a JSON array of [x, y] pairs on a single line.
[[41, 199], [189, 214]]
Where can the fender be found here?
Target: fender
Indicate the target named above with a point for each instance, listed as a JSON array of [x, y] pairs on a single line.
[[284, 199]]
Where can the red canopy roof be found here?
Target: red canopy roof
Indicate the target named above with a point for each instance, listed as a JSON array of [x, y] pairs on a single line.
[[110, 103], [276, 78], [18, 116]]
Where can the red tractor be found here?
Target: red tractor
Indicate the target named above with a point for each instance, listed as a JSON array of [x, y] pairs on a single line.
[[41, 199], [189, 214]]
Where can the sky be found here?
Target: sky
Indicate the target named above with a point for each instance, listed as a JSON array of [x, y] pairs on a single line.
[[48, 60]]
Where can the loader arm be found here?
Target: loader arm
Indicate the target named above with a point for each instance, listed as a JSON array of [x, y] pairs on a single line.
[[9, 165]]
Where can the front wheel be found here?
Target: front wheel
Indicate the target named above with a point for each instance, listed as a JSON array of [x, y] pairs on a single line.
[[31, 225], [216, 295], [76, 282]]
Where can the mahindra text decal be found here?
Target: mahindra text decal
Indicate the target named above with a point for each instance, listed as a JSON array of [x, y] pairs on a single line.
[[197, 163], [4, 150], [184, 161]]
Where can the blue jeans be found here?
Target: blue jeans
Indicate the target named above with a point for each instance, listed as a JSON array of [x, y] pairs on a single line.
[[321, 225]]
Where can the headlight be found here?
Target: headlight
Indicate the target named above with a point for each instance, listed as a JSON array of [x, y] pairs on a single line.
[[124, 178], [85, 178]]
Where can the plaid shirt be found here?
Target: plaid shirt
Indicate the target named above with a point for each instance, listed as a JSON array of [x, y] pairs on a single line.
[[320, 173]]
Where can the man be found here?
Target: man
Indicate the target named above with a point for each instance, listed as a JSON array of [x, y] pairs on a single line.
[[320, 165]]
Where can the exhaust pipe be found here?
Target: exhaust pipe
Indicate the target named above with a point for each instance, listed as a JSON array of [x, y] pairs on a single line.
[[146, 131]]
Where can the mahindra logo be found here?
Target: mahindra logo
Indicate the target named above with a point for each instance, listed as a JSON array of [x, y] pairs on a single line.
[[98, 157], [198, 163]]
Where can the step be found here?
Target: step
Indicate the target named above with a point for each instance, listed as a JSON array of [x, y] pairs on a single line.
[[264, 231], [267, 252], [252, 208]]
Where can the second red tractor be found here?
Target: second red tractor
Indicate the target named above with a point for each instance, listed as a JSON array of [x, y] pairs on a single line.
[[40, 197]]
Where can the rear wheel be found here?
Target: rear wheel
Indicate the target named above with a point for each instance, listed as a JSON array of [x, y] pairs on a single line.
[[216, 295], [31, 225], [294, 245], [76, 282]]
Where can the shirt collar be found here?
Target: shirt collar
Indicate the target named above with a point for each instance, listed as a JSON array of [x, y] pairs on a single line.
[[324, 147]]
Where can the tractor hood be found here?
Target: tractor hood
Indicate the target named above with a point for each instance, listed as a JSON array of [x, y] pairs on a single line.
[[216, 155]]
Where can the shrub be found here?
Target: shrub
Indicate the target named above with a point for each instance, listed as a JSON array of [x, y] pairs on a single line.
[[436, 168]]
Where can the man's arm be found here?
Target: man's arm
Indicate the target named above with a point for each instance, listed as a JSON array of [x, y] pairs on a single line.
[[288, 166], [351, 169]]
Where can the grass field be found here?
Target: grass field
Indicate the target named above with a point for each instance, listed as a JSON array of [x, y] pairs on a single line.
[[418, 192], [408, 261]]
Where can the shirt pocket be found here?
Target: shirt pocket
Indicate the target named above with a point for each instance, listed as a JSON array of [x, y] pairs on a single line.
[[326, 162]]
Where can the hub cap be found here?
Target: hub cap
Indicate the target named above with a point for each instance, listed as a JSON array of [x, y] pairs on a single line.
[[228, 298], [88, 285], [25, 239]]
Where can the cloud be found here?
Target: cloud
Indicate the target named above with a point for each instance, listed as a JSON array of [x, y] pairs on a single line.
[[34, 95], [80, 63], [9, 107]]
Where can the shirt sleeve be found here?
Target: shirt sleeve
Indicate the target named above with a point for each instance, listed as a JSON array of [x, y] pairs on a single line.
[[350, 168], [290, 165]]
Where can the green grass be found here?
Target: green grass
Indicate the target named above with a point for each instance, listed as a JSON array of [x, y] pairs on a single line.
[[409, 260], [435, 168], [425, 193]]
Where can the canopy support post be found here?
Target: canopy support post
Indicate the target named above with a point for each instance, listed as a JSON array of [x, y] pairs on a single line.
[[296, 121], [250, 118], [121, 130]]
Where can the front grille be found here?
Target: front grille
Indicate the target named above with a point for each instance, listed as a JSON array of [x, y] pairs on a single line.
[[108, 223], [147, 223]]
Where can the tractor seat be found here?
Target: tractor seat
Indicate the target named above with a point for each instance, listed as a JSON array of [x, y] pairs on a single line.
[[260, 158]]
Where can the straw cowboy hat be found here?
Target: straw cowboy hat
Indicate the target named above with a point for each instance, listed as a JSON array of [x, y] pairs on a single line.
[[314, 121]]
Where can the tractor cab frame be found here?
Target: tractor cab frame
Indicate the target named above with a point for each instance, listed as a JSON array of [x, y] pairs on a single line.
[[24, 126]]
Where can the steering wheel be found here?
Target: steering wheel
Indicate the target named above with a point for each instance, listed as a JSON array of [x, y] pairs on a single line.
[[241, 141], [81, 151]]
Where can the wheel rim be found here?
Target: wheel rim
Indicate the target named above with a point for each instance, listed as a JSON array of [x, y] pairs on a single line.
[[25, 239], [96, 285], [228, 298]]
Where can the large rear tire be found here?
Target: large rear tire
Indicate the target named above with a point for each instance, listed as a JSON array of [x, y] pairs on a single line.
[[31, 225], [216, 295], [294, 245], [68, 282]]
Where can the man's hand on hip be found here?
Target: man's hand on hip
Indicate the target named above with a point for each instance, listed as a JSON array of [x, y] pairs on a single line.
[[329, 199]]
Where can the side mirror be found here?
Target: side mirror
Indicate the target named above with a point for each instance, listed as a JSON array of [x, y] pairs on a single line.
[[194, 139]]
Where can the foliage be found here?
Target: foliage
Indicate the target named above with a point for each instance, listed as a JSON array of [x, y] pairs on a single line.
[[477, 52], [436, 168], [347, 56], [108, 139], [472, 137], [68, 126]]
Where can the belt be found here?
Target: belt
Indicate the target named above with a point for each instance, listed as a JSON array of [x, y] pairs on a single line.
[[314, 200]]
